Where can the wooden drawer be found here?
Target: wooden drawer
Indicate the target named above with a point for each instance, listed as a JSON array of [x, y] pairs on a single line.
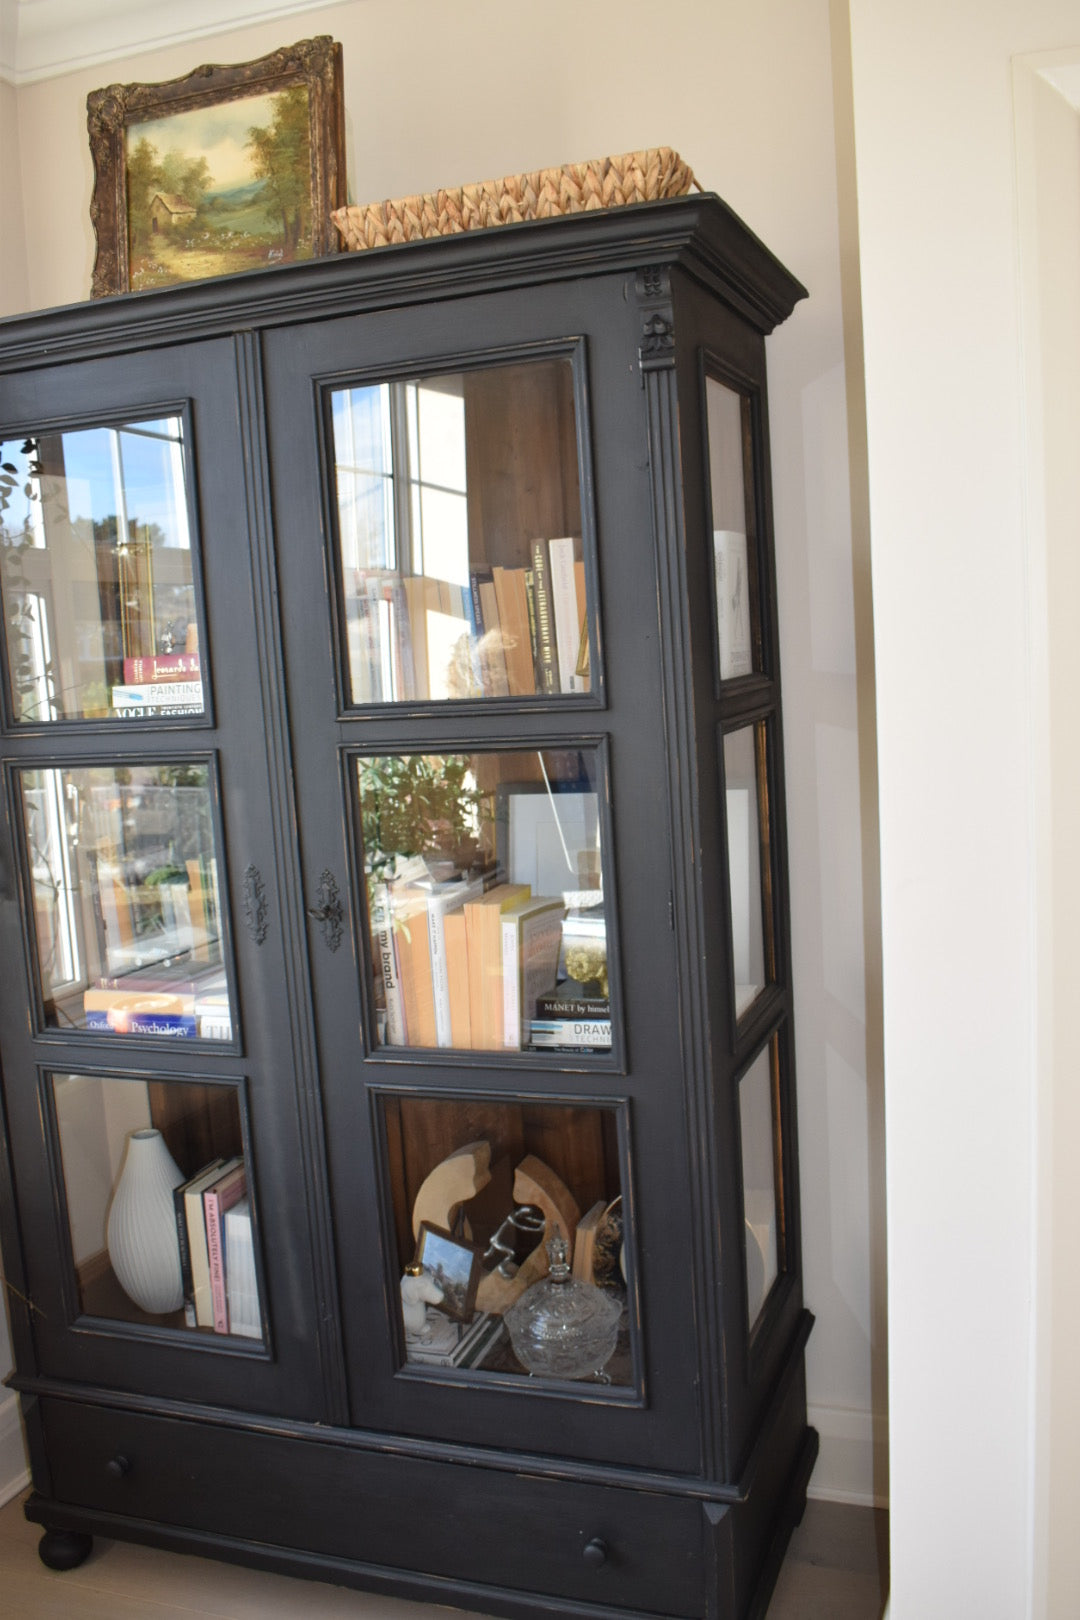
[[641, 1550]]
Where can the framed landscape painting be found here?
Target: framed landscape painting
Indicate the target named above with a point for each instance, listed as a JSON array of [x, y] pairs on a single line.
[[230, 168]]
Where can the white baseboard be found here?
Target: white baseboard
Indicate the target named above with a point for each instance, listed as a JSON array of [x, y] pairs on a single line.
[[14, 1472], [853, 1459]]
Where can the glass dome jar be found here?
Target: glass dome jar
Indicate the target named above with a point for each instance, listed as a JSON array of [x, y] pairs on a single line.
[[562, 1327]]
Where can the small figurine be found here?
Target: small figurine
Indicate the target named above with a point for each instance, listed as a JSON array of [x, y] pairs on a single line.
[[418, 1290]]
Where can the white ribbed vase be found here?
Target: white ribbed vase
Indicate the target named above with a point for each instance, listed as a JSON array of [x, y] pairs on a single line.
[[141, 1235]]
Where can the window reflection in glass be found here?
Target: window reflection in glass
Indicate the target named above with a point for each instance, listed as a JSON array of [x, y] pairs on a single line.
[[738, 631], [126, 904], [96, 574], [758, 1122], [485, 880], [749, 869], [459, 535]]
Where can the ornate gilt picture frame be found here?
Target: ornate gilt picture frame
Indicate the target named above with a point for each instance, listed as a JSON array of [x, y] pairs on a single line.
[[229, 168]]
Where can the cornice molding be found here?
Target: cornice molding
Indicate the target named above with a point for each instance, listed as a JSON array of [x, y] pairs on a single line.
[[42, 39]]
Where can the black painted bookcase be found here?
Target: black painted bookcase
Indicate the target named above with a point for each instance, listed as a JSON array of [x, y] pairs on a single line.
[[393, 881]]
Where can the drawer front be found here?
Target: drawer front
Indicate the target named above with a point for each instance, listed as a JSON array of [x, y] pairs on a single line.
[[597, 1544]]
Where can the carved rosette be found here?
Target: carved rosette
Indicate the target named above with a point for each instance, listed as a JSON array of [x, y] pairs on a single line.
[[656, 346]]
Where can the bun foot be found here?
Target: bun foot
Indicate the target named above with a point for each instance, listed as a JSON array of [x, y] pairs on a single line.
[[64, 1549]]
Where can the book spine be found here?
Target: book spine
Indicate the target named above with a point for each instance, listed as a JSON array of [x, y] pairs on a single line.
[[476, 578], [534, 629], [511, 983], [161, 668], [382, 930], [565, 1007], [546, 666], [200, 1260], [241, 1282], [216, 1201], [579, 1033], [185, 1254], [215, 1250], [172, 692], [118, 1021], [564, 611], [440, 977]]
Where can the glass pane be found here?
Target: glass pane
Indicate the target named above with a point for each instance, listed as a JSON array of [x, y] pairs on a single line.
[[758, 1119], [126, 904], [486, 899], [479, 1188], [749, 868], [459, 535], [158, 1203], [738, 631], [96, 573]]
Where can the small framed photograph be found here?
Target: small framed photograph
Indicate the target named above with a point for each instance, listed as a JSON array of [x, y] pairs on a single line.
[[230, 168], [455, 1266]]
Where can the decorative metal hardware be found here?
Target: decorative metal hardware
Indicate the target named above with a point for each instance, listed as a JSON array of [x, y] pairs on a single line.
[[330, 914], [254, 903]]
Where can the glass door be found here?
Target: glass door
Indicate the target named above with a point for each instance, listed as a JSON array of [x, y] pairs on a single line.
[[148, 1050], [502, 1128]]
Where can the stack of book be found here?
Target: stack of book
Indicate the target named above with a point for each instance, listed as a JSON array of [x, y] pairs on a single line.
[[168, 1000], [570, 1022], [467, 1347], [460, 966], [537, 616], [159, 684], [217, 1250], [511, 632]]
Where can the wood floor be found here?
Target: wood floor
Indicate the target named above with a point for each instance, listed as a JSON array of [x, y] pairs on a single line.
[[834, 1571]]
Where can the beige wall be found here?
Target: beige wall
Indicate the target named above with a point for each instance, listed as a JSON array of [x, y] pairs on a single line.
[[14, 291], [1048, 141], [972, 424], [440, 94]]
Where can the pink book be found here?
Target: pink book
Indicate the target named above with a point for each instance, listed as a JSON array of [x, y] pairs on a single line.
[[218, 1198]]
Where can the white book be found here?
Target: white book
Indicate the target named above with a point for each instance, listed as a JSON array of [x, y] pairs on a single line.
[[531, 937], [241, 1281], [386, 963], [565, 612], [444, 897]]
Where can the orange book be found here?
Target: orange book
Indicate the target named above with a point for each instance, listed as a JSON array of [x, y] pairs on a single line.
[[457, 972], [483, 931], [414, 966], [513, 603]]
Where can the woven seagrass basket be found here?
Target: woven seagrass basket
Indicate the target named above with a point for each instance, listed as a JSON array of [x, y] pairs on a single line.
[[609, 182]]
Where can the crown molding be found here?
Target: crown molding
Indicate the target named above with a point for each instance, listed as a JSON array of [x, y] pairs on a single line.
[[42, 39]]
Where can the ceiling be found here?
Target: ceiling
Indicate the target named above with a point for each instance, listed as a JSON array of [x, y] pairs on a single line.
[[41, 39]]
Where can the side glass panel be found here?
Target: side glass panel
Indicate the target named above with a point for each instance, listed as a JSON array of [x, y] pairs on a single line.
[[126, 903], [479, 1189], [485, 879], [738, 623], [459, 532], [749, 862], [158, 1201], [96, 573], [762, 1188]]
